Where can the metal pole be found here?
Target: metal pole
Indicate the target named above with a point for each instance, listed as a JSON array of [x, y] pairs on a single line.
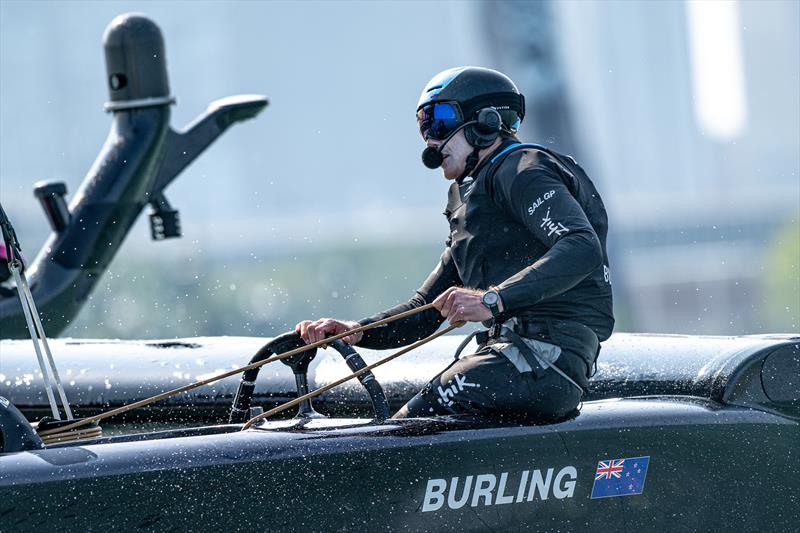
[[43, 338], [15, 269]]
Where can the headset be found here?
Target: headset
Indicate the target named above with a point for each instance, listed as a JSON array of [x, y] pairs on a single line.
[[485, 128], [480, 133]]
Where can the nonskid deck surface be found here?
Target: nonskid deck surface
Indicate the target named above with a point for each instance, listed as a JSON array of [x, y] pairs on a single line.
[[637, 412], [102, 374]]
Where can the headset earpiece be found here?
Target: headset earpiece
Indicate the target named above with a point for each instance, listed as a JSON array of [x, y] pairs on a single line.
[[489, 120], [486, 128]]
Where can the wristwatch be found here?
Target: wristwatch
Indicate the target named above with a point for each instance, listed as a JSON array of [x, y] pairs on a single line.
[[492, 301]]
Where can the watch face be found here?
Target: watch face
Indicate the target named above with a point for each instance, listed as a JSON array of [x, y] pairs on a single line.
[[490, 298]]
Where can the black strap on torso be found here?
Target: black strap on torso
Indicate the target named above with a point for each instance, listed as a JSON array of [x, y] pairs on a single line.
[[498, 159]]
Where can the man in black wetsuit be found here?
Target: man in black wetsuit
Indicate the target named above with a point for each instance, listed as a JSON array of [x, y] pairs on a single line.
[[526, 255]]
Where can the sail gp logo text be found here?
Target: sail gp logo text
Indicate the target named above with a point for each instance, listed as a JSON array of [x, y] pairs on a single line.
[[539, 201], [487, 489]]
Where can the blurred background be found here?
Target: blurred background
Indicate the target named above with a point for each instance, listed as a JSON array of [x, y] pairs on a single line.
[[685, 114]]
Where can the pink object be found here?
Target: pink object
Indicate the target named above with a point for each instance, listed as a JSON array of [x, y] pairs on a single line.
[[4, 255]]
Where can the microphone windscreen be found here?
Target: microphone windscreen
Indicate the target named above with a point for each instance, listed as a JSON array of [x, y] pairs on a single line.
[[432, 157]]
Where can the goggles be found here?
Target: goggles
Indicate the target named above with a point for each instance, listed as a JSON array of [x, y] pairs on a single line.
[[437, 121]]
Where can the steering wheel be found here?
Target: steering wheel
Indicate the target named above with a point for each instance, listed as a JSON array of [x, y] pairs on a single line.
[[240, 409], [379, 403]]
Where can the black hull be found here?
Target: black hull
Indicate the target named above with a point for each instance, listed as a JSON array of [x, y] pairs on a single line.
[[720, 442], [378, 477]]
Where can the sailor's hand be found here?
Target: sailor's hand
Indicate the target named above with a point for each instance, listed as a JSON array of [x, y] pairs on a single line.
[[317, 330], [457, 304]]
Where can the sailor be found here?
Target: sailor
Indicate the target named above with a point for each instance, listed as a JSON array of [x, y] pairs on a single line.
[[526, 256]]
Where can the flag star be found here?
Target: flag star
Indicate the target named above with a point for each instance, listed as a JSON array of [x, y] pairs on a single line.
[[627, 474], [630, 487], [635, 465], [639, 471]]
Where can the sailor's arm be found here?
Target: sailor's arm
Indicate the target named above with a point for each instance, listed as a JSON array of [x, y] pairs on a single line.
[[541, 201], [417, 326], [398, 333]]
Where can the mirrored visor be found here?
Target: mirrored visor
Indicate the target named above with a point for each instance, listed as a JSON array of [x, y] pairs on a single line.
[[437, 121]]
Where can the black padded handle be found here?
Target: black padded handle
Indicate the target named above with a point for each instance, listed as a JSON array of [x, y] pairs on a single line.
[[280, 344], [379, 403]]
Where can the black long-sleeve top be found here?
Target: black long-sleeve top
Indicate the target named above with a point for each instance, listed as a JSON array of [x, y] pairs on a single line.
[[530, 224]]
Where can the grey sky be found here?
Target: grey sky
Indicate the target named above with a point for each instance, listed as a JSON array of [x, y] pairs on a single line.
[[343, 79]]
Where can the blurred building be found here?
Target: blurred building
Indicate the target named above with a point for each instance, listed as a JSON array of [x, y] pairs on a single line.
[[687, 115]]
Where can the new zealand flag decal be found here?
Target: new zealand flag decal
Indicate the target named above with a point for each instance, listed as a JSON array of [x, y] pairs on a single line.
[[620, 477]]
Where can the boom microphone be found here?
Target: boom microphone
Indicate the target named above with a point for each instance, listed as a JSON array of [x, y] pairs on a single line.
[[432, 157]]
